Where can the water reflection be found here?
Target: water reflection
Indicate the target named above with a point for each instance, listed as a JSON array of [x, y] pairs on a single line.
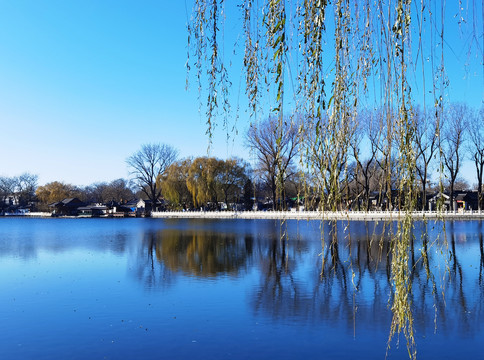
[[205, 254], [24, 238], [344, 277], [147, 268], [308, 274]]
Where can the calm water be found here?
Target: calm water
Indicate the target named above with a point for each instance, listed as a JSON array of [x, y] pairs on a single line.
[[231, 289]]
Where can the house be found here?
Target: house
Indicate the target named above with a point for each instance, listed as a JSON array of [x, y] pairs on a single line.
[[122, 210], [96, 210], [439, 199], [145, 207], [10, 200], [132, 204], [66, 207], [467, 200], [463, 200]]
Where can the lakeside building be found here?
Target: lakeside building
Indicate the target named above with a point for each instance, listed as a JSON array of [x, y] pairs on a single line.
[[463, 201]]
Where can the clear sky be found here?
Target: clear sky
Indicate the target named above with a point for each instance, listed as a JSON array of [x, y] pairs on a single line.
[[83, 84]]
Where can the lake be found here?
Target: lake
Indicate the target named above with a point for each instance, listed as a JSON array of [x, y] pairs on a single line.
[[233, 289]]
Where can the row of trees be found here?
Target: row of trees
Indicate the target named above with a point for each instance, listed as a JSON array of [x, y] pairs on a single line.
[[365, 163], [295, 159], [22, 192], [205, 182], [441, 142], [189, 183], [119, 190], [291, 161]]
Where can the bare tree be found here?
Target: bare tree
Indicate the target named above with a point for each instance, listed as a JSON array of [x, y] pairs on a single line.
[[26, 184], [454, 130], [426, 141], [94, 193], [476, 151], [275, 148], [7, 188], [231, 178], [118, 190], [149, 163], [20, 188], [366, 169]]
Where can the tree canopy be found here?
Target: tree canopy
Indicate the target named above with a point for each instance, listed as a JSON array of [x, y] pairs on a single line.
[[56, 191]]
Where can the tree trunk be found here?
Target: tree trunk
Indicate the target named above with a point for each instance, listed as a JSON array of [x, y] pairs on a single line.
[[274, 193], [452, 194], [424, 193], [479, 185]]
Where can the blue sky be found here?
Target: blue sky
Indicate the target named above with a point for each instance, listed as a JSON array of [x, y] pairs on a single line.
[[83, 84]]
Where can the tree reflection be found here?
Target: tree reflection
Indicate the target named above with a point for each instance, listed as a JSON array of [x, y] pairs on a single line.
[[481, 247], [459, 291], [147, 269], [199, 253], [345, 277], [278, 258], [352, 281]]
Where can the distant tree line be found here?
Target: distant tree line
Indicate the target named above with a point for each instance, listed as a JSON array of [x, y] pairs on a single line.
[[214, 184], [119, 191], [291, 167], [363, 168], [22, 192]]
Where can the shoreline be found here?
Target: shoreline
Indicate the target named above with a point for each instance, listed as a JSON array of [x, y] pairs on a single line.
[[293, 215], [320, 215]]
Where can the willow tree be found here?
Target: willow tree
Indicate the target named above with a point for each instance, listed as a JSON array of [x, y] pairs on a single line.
[[173, 185], [202, 181], [328, 61], [56, 191], [231, 179]]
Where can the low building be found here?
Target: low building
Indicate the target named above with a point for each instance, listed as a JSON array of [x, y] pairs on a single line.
[[467, 200], [463, 201], [145, 207], [66, 207], [97, 210]]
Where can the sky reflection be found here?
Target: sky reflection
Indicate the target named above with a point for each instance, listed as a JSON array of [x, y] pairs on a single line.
[[91, 288]]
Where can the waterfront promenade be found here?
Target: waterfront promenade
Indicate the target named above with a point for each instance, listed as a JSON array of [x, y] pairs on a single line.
[[319, 215]]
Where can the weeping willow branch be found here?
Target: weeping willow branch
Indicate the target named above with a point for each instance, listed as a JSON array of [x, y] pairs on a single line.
[[353, 58]]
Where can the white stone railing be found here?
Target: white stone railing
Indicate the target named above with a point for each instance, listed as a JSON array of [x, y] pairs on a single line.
[[308, 215], [318, 215], [39, 214]]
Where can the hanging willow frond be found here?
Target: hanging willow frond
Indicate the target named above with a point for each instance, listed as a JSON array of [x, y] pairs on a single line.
[[351, 56]]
